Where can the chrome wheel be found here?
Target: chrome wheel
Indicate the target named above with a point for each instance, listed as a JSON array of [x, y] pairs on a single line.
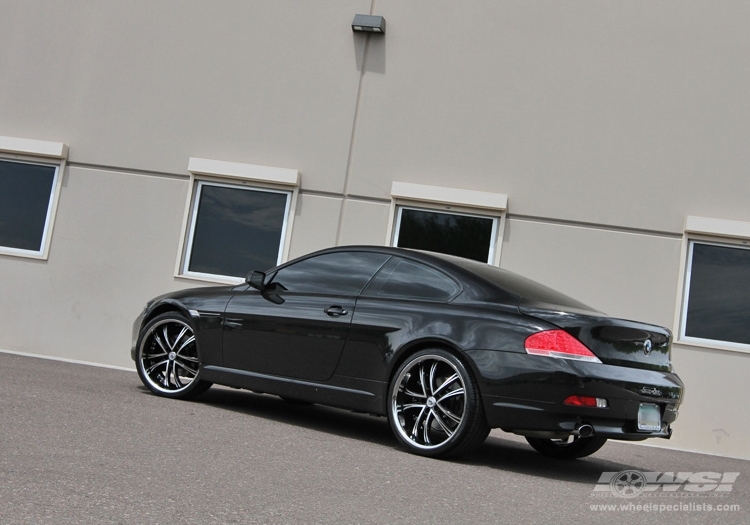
[[433, 405], [168, 361]]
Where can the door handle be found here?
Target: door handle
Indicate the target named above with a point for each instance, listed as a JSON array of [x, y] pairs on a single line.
[[336, 311]]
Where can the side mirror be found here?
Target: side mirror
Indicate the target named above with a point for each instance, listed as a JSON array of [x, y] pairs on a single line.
[[257, 280]]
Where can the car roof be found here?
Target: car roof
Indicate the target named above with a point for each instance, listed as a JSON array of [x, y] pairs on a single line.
[[483, 281]]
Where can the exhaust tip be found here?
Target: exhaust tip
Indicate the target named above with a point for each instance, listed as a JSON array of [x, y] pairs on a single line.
[[584, 430]]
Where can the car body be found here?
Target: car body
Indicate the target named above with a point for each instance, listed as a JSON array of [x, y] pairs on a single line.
[[445, 347]]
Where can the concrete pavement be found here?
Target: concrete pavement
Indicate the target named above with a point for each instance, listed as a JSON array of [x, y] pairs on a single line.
[[82, 444]]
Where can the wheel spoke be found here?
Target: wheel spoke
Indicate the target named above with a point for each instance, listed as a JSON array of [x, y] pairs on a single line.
[[452, 393], [165, 333], [413, 394], [411, 406], [415, 430], [447, 382], [426, 428], [422, 381], [432, 377], [154, 356], [187, 343], [166, 374], [440, 422], [176, 376], [179, 337], [185, 368], [155, 366], [161, 343], [449, 414]]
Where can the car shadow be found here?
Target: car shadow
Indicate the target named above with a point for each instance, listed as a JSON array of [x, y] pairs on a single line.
[[515, 456], [510, 454]]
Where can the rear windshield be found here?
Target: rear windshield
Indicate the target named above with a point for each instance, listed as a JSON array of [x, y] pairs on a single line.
[[530, 292]]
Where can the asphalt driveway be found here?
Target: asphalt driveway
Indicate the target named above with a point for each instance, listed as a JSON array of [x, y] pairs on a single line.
[[83, 444]]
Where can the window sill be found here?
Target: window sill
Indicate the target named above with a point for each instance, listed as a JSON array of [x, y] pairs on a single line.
[[210, 279], [710, 344]]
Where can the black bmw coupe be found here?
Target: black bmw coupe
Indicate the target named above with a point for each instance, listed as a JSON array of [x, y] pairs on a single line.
[[446, 348]]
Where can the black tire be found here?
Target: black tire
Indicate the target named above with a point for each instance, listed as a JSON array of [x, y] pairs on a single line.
[[168, 359], [434, 406], [577, 447]]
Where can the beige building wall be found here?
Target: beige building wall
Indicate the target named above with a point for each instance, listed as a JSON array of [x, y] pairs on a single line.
[[604, 124]]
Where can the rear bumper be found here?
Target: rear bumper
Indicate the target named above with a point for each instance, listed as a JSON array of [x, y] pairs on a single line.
[[556, 421], [524, 394]]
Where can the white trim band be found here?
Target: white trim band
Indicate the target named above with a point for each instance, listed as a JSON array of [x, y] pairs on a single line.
[[450, 196], [37, 148], [249, 172], [719, 227]]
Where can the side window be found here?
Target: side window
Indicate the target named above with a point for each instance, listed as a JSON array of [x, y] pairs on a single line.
[[27, 195], [235, 229], [343, 273], [411, 280], [717, 293]]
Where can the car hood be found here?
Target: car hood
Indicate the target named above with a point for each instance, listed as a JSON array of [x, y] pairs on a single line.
[[614, 341]]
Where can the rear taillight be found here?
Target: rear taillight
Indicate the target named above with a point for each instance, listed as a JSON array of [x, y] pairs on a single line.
[[559, 344], [586, 401]]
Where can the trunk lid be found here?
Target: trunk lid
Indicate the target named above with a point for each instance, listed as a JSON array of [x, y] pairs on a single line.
[[614, 341]]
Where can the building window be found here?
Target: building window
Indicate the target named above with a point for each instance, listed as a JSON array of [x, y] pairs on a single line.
[[238, 219], [236, 230], [469, 236], [715, 288], [29, 191], [465, 223], [717, 293]]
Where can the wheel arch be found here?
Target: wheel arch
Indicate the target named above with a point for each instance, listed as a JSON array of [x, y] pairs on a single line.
[[166, 307], [413, 347]]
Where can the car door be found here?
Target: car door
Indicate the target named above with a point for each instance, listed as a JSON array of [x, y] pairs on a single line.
[[406, 300], [298, 330]]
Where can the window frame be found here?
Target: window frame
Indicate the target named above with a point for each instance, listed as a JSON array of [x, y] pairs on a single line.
[[243, 177], [451, 201], [712, 232], [37, 153]]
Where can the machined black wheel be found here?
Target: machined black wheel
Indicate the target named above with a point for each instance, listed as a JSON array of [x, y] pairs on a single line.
[[570, 448], [167, 357], [434, 406]]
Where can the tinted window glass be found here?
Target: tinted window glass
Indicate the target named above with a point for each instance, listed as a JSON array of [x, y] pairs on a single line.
[[236, 230], [462, 235], [344, 273], [519, 286], [411, 280], [25, 193], [719, 293]]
